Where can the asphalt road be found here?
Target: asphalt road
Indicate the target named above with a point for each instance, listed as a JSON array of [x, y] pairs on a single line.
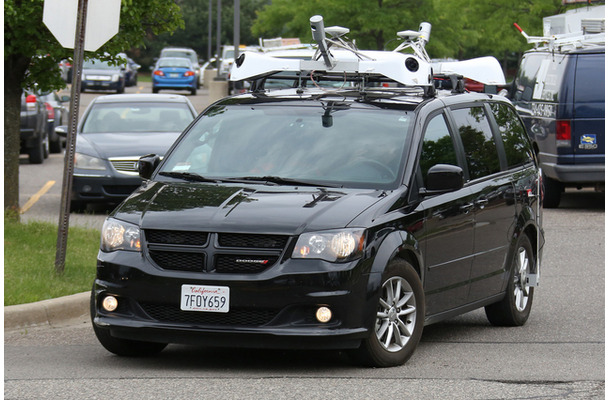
[[558, 354]]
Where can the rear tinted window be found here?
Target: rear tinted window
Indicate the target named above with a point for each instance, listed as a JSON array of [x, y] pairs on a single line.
[[516, 145], [478, 140], [590, 83], [540, 77]]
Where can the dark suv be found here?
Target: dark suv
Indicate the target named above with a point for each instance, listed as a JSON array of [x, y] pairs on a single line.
[[34, 134], [561, 97], [316, 218]]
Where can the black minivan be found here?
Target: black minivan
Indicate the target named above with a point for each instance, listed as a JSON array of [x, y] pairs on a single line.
[[326, 217], [560, 94]]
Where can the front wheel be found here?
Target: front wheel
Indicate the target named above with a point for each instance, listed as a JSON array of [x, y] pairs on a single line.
[[400, 318], [514, 309]]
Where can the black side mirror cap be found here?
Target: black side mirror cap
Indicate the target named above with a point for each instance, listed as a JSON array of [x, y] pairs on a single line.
[[147, 165], [443, 178]]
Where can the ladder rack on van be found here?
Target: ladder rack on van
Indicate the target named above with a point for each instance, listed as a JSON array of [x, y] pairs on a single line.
[[339, 59], [565, 41]]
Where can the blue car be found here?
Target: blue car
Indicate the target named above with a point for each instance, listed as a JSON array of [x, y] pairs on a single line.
[[174, 73]]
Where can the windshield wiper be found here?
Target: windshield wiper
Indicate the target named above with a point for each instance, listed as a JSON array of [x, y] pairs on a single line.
[[187, 176], [277, 180]]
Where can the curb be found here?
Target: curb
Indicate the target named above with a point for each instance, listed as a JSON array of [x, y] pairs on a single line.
[[47, 312]]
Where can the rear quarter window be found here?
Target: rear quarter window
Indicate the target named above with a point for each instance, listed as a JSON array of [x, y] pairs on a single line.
[[589, 85], [514, 137]]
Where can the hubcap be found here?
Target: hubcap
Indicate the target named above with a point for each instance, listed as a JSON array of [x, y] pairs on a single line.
[[521, 291], [395, 314]]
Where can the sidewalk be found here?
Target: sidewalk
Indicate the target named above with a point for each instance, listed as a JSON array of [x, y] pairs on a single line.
[[46, 312]]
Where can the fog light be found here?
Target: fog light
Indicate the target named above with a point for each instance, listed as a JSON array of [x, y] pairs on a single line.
[[110, 303], [87, 188], [324, 314]]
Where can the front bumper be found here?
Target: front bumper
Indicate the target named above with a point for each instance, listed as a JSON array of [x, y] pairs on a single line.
[[272, 309], [101, 85], [93, 188]]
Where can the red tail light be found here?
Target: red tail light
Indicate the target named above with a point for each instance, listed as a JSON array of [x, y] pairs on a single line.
[[189, 73], [563, 130], [158, 72], [50, 111], [31, 98]]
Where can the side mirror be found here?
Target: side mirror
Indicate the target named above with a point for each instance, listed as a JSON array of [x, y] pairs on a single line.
[[147, 165], [443, 178], [65, 99], [62, 130]]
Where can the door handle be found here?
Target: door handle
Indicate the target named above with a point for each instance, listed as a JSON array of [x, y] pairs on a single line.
[[466, 208], [481, 203]]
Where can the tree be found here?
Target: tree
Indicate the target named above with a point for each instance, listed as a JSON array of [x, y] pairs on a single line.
[[32, 54]]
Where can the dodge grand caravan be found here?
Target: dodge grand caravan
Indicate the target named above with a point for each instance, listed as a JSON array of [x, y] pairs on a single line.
[[325, 218]]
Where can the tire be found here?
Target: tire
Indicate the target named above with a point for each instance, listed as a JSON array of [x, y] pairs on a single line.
[[193, 92], [121, 89], [56, 146], [155, 90], [122, 347], [400, 319], [36, 154], [514, 309], [45, 147], [552, 192]]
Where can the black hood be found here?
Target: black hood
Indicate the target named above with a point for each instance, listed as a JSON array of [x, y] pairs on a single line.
[[244, 208]]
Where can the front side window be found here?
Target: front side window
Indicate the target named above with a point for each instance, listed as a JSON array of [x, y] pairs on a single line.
[[437, 147], [478, 141], [330, 143], [514, 137]]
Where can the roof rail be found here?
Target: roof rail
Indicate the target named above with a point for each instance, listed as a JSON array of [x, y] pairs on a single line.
[[565, 41], [337, 58]]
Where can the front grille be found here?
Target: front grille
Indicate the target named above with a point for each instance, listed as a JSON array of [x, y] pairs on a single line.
[[251, 241], [125, 165], [235, 317], [228, 253], [176, 237], [243, 264], [179, 261]]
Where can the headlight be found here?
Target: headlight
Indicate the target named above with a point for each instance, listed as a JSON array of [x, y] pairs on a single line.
[[115, 78], [83, 161], [119, 235], [334, 246]]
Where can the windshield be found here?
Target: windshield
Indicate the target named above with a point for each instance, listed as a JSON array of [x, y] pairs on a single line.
[[137, 117], [174, 62], [98, 64], [332, 145], [180, 54]]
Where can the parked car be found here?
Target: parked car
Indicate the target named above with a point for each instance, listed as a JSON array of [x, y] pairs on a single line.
[[65, 67], [316, 218], [131, 70], [208, 65], [175, 74], [101, 75], [183, 52], [34, 139], [57, 115], [560, 94], [114, 132]]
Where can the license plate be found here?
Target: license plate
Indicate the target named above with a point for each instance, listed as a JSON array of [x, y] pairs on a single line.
[[205, 298], [174, 75]]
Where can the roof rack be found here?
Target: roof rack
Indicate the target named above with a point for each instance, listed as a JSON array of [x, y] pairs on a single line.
[[337, 58], [565, 41]]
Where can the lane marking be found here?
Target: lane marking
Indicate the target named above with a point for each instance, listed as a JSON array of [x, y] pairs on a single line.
[[36, 197]]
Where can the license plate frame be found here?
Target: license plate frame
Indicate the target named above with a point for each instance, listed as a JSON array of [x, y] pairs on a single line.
[[204, 298]]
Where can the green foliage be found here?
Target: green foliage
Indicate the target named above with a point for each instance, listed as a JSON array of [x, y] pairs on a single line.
[[29, 256], [30, 46]]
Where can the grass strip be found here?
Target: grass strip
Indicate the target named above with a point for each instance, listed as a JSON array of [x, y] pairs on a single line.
[[29, 261]]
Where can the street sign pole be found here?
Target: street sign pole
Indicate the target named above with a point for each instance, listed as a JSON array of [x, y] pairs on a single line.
[[77, 66]]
